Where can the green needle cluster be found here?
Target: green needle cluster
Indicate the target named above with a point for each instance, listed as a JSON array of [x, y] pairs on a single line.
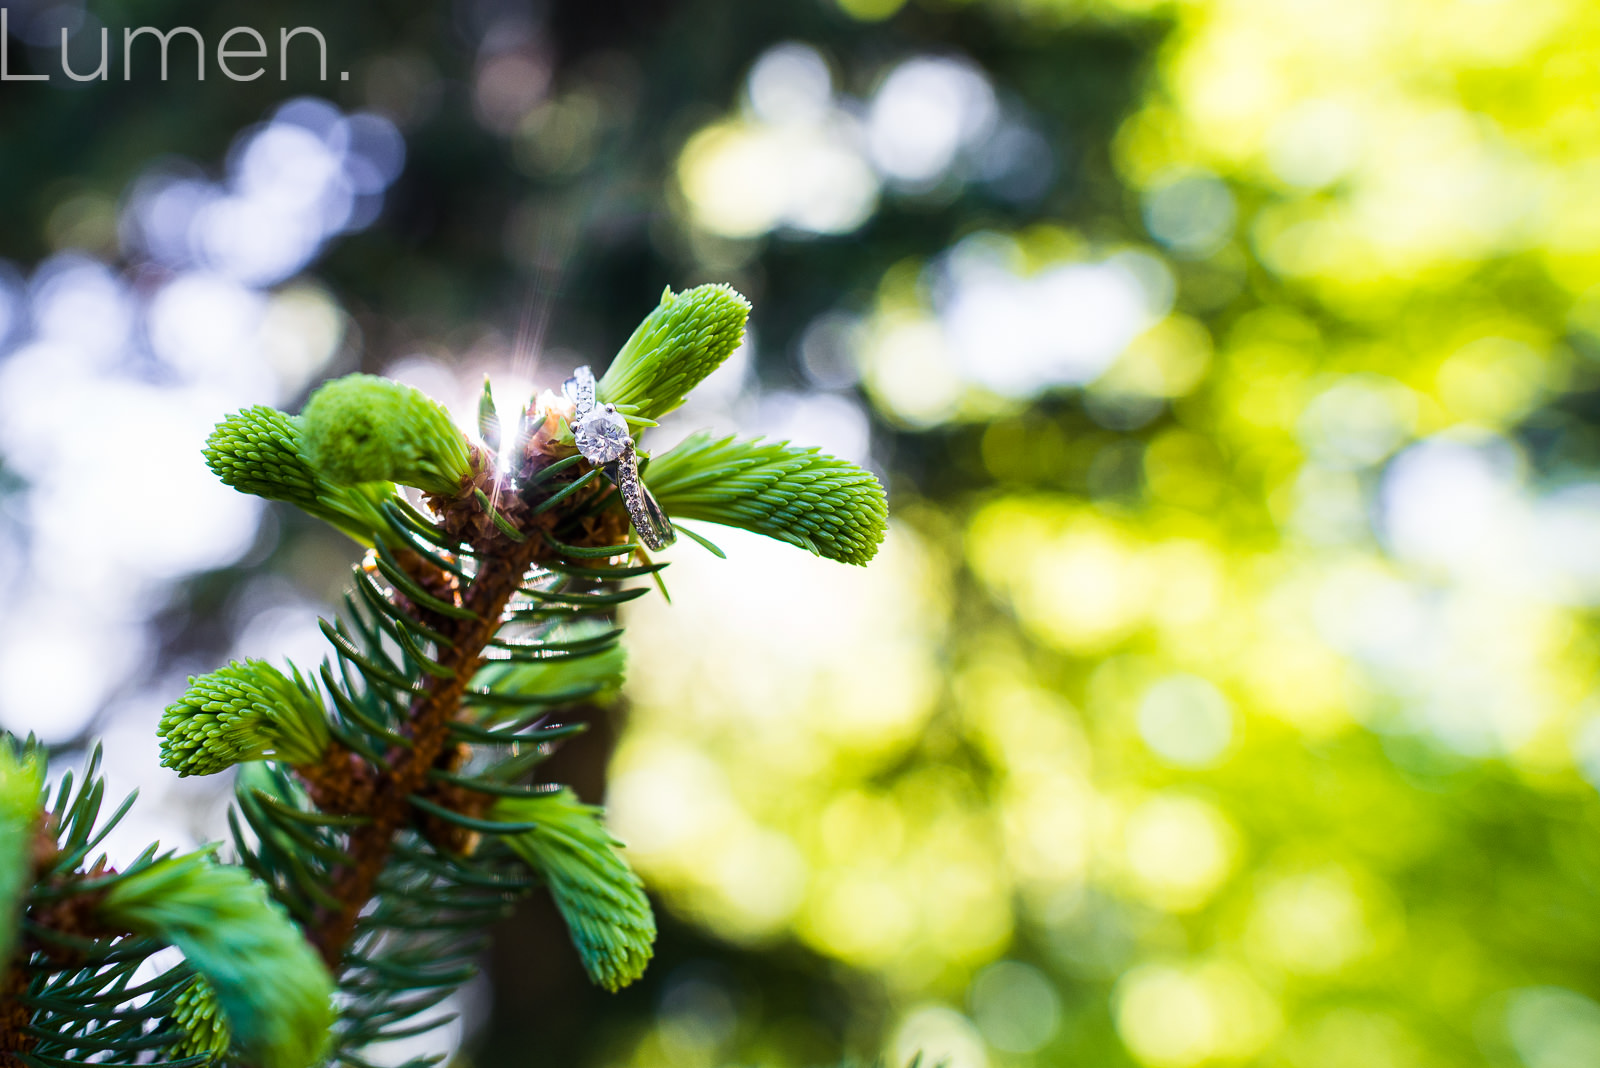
[[597, 893], [801, 496], [258, 451], [683, 340], [262, 451], [274, 993], [199, 1018], [362, 428], [245, 711]]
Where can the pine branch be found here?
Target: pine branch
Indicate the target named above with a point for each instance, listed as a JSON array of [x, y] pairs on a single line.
[[385, 813]]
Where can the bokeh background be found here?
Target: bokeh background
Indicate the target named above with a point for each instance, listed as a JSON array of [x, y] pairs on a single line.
[[1225, 692]]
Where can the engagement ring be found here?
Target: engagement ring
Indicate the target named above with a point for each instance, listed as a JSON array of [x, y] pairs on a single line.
[[601, 434]]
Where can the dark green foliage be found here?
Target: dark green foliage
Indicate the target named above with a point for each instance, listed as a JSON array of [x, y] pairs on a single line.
[[422, 938], [600, 898], [801, 496], [594, 676], [272, 990], [80, 993], [682, 341], [245, 711]]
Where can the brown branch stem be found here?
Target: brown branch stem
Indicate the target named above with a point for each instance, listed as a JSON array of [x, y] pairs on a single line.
[[430, 715], [502, 566]]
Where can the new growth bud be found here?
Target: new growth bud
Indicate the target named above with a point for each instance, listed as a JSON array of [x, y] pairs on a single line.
[[682, 341], [273, 993], [801, 496], [245, 711], [597, 894], [202, 1028], [262, 451], [258, 451], [362, 428], [21, 799]]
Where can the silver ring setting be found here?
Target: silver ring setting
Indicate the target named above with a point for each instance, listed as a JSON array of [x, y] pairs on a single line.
[[601, 434]]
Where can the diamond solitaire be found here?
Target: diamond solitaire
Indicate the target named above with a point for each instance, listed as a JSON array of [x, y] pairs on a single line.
[[602, 435]]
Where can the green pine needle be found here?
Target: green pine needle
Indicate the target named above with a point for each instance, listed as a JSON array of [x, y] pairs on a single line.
[[683, 340], [603, 671], [801, 496], [21, 793], [362, 428], [245, 711], [275, 995], [601, 899], [488, 417], [199, 1018]]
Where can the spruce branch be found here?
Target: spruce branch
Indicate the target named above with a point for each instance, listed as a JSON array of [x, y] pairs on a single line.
[[411, 755], [802, 496], [70, 996], [387, 811], [683, 340]]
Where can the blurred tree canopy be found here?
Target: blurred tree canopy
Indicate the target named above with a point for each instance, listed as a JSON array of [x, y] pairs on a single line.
[[1226, 692]]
